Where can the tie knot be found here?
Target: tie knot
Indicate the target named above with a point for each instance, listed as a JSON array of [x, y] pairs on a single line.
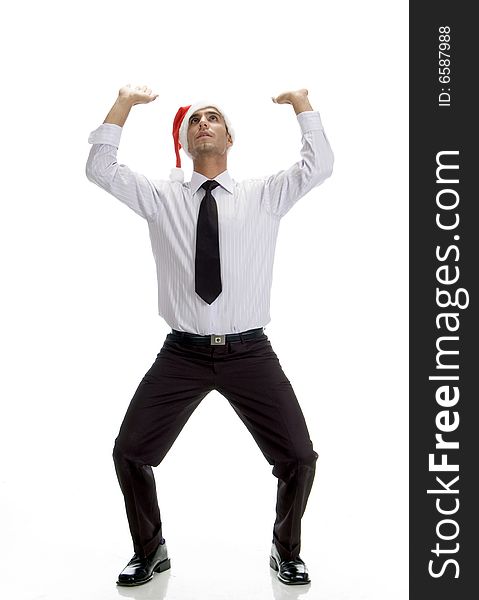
[[210, 185]]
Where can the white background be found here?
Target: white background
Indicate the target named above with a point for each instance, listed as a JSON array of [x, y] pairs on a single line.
[[79, 318]]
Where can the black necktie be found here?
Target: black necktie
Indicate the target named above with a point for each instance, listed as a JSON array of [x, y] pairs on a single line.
[[207, 261]]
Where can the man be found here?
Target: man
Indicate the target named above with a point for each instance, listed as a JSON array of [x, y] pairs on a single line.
[[213, 240]]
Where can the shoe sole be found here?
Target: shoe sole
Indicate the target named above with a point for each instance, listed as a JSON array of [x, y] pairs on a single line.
[[274, 565], [164, 565]]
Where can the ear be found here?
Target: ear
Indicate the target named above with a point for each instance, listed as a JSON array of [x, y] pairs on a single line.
[[229, 140]]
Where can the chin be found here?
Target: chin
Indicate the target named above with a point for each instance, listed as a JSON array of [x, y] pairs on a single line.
[[205, 148]]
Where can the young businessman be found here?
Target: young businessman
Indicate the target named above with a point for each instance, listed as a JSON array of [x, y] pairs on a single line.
[[213, 240]]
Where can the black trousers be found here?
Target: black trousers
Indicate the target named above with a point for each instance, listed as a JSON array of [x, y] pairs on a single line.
[[248, 374]]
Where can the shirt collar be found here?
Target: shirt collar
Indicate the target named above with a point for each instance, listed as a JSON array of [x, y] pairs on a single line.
[[223, 179]]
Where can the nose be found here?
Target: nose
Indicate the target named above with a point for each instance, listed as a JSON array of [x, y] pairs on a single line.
[[203, 120]]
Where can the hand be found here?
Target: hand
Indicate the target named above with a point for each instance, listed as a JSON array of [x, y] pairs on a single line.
[[140, 94], [299, 100], [290, 97]]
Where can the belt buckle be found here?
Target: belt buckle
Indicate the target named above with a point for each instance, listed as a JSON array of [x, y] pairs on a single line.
[[217, 340]]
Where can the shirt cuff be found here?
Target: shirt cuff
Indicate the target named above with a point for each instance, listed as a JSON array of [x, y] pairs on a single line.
[[107, 133], [309, 121]]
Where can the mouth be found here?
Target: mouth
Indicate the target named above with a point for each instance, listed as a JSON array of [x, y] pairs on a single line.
[[200, 135]]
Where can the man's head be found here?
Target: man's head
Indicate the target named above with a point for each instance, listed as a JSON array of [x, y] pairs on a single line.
[[202, 130], [204, 116], [207, 133]]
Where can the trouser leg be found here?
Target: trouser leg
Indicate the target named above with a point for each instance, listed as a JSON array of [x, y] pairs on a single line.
[[162, 404], [253, 381]]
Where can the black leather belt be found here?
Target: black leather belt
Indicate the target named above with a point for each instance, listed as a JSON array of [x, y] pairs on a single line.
[[214, 339]]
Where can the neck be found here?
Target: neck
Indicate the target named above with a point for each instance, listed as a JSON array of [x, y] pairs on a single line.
[[211, 166]]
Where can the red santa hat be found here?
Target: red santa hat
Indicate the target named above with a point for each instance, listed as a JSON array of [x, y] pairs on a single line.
[[180, 133]]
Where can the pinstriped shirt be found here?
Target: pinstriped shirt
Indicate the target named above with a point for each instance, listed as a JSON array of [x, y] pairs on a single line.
[[249, 213]]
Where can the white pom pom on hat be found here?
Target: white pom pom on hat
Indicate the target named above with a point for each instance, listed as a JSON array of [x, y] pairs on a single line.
[[180, 133]]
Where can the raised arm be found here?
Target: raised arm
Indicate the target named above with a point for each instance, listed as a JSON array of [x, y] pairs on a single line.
[[102, 168], [128, 96], [282, 190]]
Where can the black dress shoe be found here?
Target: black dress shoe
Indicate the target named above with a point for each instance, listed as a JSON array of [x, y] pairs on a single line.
[[140, 570], [291, 572]]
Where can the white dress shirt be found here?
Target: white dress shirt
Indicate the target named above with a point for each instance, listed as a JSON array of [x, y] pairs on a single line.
[[249, 214]]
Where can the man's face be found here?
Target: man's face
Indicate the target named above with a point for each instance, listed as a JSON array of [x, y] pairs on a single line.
[[207, 133]]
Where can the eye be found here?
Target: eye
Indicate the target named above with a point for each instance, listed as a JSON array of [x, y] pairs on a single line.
[[193, 120], [214, 117]]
